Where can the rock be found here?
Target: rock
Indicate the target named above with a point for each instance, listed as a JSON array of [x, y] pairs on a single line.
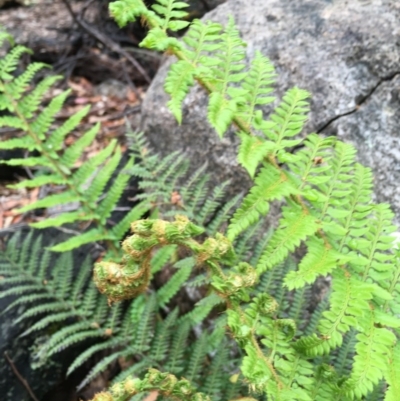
[[346, 53]]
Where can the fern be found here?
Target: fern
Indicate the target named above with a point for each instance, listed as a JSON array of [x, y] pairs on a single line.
[[268, 185], [57, 163], [40, 278], [167, 185], [345, 349], [328, 210]]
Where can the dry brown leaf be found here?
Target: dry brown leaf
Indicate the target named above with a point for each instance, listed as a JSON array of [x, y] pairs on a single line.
[[81, 86], [152, 396], [113, 123], [131, 96]]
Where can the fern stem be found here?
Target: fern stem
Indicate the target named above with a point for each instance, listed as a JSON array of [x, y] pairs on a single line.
[[267, 361]]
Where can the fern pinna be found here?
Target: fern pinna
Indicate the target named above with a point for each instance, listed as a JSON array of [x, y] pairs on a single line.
[[56, 164], [327, 209]]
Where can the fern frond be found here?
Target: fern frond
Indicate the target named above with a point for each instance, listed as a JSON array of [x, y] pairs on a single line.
[[89, 352], [201, 39], [9, 63], [102, 177], [347, 306], [168, 290], [202, 309], [257, 85], [43, 121], [127, 10], [345, 354], [121, 228], [93, 235], [392, 375], [269, 185], [227, 69], [146, 324], [215, 378], [101, 366], [58, 164], [319, 260], [160, 346], [294, 227], [175, 360], [197, 355], [74, 151], [171, 12], [371, 360], [32, 100], [252, 151], [288, 118], [177, 84], [223, 215], [162, 257]]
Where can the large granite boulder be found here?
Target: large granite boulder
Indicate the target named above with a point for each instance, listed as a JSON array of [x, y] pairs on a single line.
[[346, 53]]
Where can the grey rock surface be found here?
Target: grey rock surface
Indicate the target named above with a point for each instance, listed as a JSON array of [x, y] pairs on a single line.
[[346, 53]]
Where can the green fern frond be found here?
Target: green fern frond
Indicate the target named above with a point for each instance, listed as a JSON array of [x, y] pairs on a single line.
[[121, 228], [202, 309], [347, 306], [222, 216], [74, 151], [252, 151], [172, 14], [288, 117], [257, 85], [371, 360], [392, 374], [162, 257], [216, 375], [197, 358], [177, 84], [319, 260], [57, 161], [9, 63], [89, 352], [101, 366], [202, 39], [93, 235], [61, 298], [227, 69], [294, 227], [175, 362], [269, 185], [160, 346], [345, 354], [127, 11], [146, 324], [168, 290]]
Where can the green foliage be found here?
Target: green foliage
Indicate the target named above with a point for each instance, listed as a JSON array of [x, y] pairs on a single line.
[[328, 211], [46, 288], [279, 347], [28, 110]]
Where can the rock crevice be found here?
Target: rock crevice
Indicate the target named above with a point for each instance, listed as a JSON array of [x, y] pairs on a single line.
[[363, 99]]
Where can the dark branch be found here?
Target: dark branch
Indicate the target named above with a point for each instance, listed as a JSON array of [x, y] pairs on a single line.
[[20, 378], [106, 41]]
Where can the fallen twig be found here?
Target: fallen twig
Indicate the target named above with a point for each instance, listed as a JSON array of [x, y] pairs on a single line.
[[20, 378], [106, 41]]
